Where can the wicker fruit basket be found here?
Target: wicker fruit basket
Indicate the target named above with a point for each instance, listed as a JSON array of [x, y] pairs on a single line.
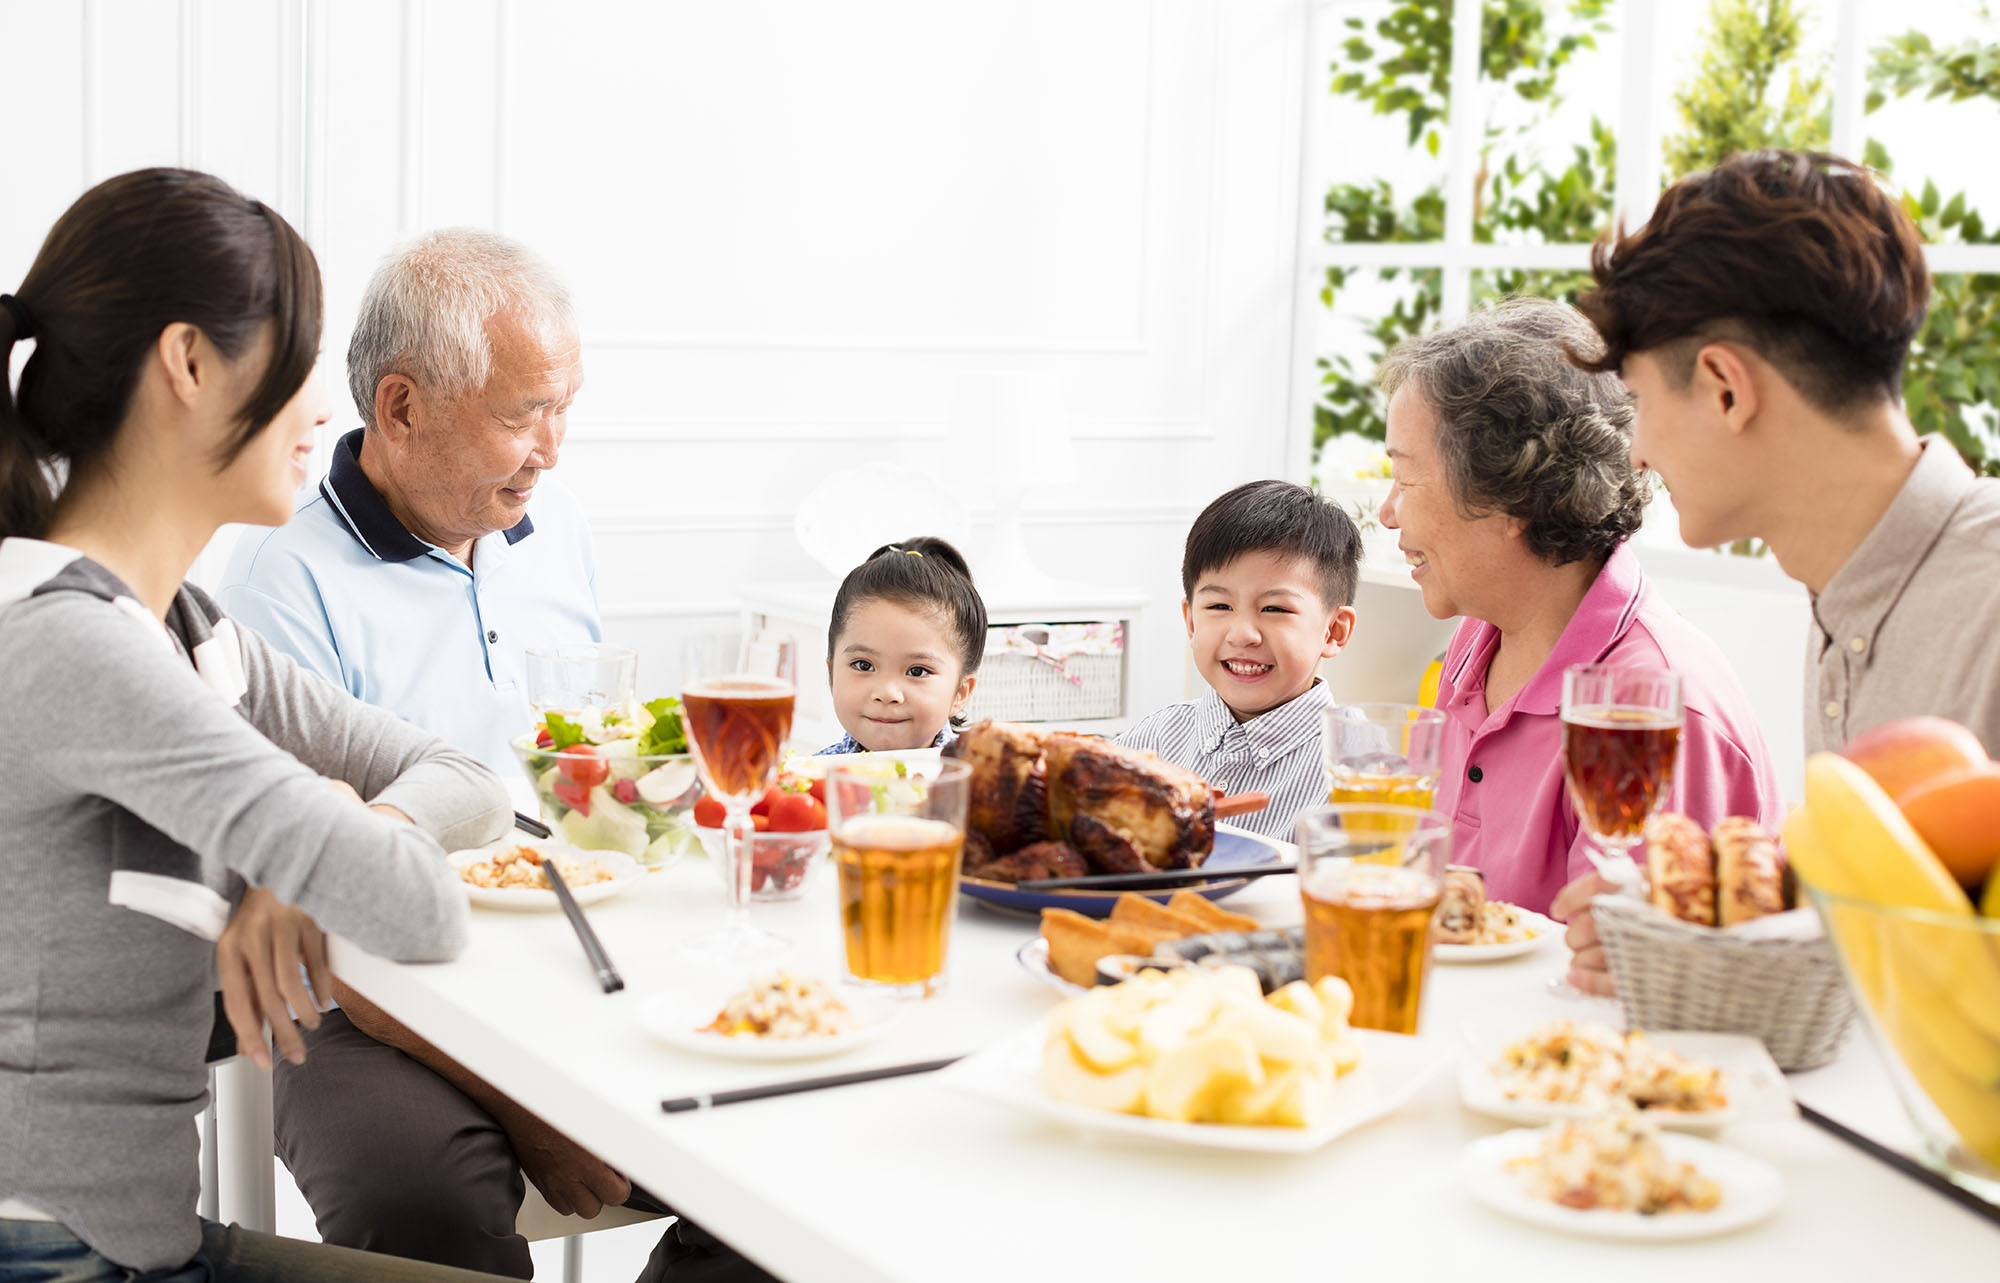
[[1788, 993]]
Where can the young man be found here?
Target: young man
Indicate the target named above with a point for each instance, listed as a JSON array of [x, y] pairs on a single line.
[[1268, 579], [1761, 319]]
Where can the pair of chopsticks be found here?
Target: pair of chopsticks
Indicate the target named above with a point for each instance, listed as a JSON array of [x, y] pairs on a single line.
[[1915, 1171], [687, 1104], [1163, 880], [593, 948]]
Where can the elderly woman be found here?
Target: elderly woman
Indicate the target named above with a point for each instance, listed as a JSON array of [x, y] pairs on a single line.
[[1513, 497]]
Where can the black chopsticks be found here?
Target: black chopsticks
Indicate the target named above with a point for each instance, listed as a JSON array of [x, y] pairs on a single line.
[[533, 828], [1163, 880], [1909, 1167], [593, 948], [685, 1104]]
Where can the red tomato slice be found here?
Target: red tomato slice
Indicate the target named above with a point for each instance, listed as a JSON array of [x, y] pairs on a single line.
[[573, 795], [584, 764]]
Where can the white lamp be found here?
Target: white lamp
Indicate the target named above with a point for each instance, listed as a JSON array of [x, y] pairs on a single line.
[[1010, 431]]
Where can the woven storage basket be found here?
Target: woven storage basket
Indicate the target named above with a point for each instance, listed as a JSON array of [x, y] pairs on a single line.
[[1016, 687], [1673, 975]]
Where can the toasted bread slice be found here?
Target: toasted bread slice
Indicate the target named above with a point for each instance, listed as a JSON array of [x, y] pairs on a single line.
[[1141, 912], [1212, 917], [1077, 942]]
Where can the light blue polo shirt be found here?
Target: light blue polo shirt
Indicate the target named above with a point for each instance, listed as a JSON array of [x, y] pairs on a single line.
[[351, 594]]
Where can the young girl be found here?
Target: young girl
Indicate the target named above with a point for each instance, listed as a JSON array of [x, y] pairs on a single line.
[[180, 796], [903, 646]]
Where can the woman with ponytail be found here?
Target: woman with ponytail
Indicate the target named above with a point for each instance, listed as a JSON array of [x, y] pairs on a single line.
[[183, 806]]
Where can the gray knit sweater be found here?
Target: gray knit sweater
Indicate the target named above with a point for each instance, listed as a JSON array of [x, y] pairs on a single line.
[[145, 775]]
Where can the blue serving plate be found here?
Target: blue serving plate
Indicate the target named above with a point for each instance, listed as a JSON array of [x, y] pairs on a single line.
[[1234, 849]]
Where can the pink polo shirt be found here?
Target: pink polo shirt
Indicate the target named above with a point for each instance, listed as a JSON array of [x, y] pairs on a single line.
[[1500, 777]]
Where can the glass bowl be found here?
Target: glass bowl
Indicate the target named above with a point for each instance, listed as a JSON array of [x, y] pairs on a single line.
[[1928, 984], [781, 864], [616, 800]]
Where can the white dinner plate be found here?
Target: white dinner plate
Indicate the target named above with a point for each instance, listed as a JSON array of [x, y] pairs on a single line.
[[1393, 1069], [1034, 959], [622, 867], [1752, 1082], [1545, 929], [1751, 1190], [677, 1020]]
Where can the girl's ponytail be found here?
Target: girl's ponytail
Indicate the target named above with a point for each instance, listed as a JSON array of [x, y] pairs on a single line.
[[26, 498]]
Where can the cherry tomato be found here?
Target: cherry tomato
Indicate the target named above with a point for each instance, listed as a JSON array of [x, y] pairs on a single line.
[[794, 813], [763, 804], [818, 791], [572, 794], [709, 813], [626, 791], [584, 764]]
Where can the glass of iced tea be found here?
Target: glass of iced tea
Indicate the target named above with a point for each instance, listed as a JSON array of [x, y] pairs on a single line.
[[898, 839], [736, 728], [1621, 736], [1382, 753], [1370, 876]]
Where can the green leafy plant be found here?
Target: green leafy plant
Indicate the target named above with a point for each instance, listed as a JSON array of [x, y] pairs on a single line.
[[1402, 66], [1756, 84]]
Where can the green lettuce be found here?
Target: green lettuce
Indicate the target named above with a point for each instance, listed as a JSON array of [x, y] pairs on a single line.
[[563, 733], [665, 735]]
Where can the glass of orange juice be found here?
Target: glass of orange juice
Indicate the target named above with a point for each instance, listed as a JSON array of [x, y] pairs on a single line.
[[1370, 877], [898, 831], [1382, 753]]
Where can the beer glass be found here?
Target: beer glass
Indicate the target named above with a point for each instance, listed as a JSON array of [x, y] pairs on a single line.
[[1382, 753], [1370, 876], [898, 839]]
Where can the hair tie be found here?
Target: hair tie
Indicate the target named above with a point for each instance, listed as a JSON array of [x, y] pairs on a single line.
[[24, 321]]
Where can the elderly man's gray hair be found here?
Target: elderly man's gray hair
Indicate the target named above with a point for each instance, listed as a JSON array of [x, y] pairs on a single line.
[[425, 311], [1521, 430]]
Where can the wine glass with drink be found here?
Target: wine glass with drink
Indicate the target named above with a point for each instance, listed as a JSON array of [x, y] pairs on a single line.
[[737, 726], [1621, 738]]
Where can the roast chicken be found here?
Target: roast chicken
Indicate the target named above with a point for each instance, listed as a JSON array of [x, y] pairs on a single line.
[[1043, 802]]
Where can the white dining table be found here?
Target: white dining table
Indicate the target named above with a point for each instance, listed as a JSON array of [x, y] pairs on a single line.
[[908, 1181]]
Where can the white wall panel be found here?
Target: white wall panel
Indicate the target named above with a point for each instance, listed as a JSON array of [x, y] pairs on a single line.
[[790, 227]]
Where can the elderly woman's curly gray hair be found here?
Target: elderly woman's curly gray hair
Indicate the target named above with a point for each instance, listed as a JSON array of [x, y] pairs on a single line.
[[1522, 431]]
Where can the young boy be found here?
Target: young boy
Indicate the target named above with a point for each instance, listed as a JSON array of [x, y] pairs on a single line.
[[1268, 579]]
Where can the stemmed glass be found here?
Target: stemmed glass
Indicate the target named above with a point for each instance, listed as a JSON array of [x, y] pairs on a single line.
[[1621, 738], [737, 726]]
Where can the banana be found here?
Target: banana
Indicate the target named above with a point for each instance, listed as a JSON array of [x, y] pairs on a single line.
[[1854, 930], [1934, 987], [1867, 850], [1879, 857], [1917, 1014]]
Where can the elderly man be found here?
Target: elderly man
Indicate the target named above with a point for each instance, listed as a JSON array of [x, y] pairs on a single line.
[[416, 579], [1761, 319]]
